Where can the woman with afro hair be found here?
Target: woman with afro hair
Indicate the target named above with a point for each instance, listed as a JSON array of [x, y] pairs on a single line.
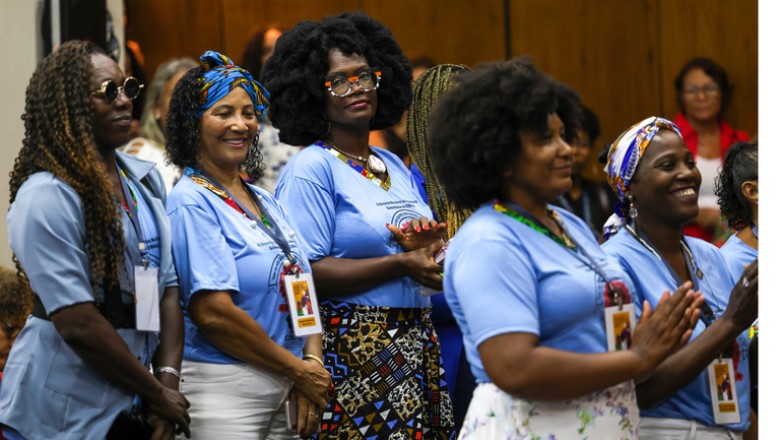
[[88, 229], [365, 227], [541, 306]]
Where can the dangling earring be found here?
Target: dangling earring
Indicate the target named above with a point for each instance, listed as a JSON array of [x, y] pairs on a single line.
[[632, 209], [327, 124]]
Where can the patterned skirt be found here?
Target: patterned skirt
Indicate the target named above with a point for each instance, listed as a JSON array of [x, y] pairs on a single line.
[[386, 365]]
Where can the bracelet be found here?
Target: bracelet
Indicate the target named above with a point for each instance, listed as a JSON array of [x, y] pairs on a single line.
[[314, 358], [169, 370]]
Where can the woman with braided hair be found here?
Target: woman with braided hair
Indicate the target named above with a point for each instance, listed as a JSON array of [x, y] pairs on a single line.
[[88, 229], [425, 93], [333, 82]]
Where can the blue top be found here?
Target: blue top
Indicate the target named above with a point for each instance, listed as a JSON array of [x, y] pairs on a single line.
[[218, 248], [341, 213], [43, 375], [501, 276], [652, 278], [737, 255]]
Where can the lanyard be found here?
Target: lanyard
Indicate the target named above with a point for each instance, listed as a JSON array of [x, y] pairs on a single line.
[[522, 215], [690, 263], [132, 212], [273, 229], [357, 167]]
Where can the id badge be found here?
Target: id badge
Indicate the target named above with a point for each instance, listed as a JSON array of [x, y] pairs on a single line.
[[303, 305], [723, 391], [620, 323], [147, 299]]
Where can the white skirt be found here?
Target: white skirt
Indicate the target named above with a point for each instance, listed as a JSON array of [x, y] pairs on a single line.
[[610, 414]]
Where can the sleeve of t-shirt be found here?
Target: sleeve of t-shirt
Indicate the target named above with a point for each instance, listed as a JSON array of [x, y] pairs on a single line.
[[312, 213], [496, 287], [201, 253], [46, 231]]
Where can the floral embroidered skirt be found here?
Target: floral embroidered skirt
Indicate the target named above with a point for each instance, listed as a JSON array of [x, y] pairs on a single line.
[[610, 414], [386, 365]]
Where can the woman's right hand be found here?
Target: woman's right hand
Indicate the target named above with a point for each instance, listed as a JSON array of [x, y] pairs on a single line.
[[658, 333], [421, 267], [743, 302], [314, 382], [171, 405]]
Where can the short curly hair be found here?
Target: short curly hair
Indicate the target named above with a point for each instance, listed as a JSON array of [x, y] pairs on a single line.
[[474, 127], [295, 72], [739, 166], [183, 135], [714, 71], [16, 298]]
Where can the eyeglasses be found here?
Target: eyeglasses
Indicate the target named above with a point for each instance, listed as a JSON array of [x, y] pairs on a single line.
[[110, 91], [709, 90], [340, 85]]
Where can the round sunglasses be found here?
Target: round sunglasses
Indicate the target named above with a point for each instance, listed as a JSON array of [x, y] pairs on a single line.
[[110, 90]]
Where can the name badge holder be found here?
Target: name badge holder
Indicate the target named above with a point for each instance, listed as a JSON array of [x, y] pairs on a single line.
[[619, 313], [723, 391], [145, 285], [297, 286]]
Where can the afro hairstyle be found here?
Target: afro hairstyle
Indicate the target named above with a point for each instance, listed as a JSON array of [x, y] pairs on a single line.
[[474, 129], [739, 166], [295, 73]]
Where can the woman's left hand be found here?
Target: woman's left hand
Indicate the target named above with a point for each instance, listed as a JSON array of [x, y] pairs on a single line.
[[309, 414], [163, 429], [417, 233]]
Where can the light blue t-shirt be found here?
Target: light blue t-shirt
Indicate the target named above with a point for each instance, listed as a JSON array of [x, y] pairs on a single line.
[[47, 390], [652, 278], [737, 255], [216, 247], [341, 213], [501, 276]]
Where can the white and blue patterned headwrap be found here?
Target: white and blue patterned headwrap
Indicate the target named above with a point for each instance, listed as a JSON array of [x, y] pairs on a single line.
[[623, 160]]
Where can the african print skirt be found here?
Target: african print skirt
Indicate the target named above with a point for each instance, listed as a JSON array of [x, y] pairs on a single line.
[[386, 365]]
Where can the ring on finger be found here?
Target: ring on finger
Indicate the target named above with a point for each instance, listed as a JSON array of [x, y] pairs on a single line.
[[744, 282]]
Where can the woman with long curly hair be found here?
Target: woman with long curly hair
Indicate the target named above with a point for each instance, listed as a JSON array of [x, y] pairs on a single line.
[[542, 308], [332, 82], [233, 245], [88, 229]]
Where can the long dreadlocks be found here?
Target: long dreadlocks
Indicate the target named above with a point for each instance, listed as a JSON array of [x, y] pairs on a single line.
[[59, 139]]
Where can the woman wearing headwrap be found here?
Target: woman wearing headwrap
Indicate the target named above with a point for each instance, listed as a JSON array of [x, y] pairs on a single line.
[[656, 180], [233, 244]]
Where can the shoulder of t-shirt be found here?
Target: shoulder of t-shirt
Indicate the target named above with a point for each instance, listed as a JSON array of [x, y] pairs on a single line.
[[187, 192], [312, 163], [704, 248]]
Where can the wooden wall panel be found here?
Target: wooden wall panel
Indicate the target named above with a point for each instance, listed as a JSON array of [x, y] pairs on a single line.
[[605, 50], [727, 32], [621, 56], [242, 16], [448, 31], [174, 28]]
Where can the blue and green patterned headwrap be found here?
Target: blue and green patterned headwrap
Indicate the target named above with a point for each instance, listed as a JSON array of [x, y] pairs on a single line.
[[221, 76]]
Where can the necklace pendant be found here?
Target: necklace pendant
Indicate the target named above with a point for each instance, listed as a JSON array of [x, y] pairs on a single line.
[[375, 165]]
